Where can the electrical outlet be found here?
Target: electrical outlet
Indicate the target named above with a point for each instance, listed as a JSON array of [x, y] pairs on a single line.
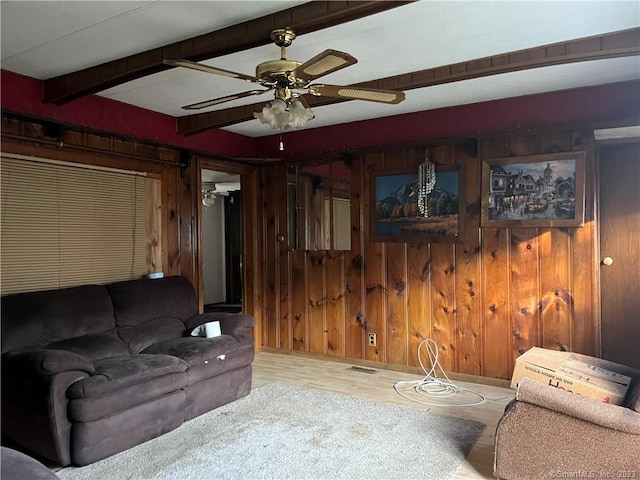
[[372, 340]]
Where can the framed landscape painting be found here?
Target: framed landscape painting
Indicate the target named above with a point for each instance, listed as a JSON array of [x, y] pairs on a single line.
[[395, 213], [533, 191]]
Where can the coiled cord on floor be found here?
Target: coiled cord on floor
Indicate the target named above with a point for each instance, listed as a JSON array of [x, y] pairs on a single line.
[[433, 387]]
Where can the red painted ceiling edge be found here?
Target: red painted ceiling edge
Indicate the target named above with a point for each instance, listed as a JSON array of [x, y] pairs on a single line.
[[24, 95], [604, 103], [589, 104]]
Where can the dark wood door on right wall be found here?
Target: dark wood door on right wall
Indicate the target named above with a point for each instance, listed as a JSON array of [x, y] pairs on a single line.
[[620, 252]]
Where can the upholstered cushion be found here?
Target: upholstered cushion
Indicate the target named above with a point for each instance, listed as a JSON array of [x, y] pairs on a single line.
[[18, 466], [207, 357], [195, 349], [154, 331], [138, 301], [43, 362], [94, 346], [633, 398], [114, 373], [39, 318], [123, 398]]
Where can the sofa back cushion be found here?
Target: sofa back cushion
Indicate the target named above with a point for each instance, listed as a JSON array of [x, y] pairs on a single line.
[[40, 318], [151, 332], [135, 302], [93, 346]]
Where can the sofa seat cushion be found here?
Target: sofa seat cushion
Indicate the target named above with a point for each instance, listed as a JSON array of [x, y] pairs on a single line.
[[115, 373], [206, 357], [120, 383], [93, 346]]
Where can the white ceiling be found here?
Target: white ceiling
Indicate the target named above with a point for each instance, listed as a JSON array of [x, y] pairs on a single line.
[[51, 38]]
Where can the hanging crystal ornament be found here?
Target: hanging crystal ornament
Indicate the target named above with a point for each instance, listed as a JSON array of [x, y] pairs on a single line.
[[426, 182]]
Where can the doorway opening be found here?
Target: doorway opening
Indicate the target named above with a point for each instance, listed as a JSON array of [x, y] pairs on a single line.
[[221, 241]]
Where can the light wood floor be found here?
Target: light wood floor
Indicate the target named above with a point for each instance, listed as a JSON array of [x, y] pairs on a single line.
[[340, 378]]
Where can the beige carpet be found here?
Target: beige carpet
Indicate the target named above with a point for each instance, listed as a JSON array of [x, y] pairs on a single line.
[[285, 432]]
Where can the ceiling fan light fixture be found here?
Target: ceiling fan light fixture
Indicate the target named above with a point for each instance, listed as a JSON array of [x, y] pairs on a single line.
[[300, 114], [208, 199], [284, 114]]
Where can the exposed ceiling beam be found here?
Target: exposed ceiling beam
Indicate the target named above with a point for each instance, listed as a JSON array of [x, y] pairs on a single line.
[[618, 44], [305, 18]]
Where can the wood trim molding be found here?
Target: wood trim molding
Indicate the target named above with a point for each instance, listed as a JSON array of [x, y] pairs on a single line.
[[612, 45], [305, 18]]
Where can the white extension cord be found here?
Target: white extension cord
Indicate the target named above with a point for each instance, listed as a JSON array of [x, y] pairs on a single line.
[[433, 387]]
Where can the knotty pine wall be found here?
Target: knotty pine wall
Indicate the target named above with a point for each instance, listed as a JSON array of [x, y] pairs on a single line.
[[484, 301]]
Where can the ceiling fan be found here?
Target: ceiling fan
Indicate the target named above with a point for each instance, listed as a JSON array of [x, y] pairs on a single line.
[[286, 78]]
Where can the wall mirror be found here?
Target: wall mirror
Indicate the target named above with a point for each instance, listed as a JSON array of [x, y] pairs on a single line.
[[319, 205]]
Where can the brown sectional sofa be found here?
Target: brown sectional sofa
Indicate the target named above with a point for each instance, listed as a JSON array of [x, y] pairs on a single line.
[[90, 371]]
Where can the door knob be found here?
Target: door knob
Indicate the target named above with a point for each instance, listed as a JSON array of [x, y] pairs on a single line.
[[607, 261]]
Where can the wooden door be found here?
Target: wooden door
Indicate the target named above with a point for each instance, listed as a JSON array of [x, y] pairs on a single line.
[[619, 173], [233, 240]]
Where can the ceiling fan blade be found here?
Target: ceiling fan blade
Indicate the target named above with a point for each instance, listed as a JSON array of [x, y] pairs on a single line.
[[228, 98], [208, 69], [322, 64], [357, 93]]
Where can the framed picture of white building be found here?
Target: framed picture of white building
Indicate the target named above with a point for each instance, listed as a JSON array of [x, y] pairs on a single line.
[[533, 191]]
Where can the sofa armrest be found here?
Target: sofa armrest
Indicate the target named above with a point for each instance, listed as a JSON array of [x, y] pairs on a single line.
[[234, 324], [583, 408], [44, 362], [34, 411]]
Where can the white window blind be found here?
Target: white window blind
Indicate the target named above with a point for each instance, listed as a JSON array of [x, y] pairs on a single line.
[[64, 225]]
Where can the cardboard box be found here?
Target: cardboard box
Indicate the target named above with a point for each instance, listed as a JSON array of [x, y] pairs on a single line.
[[563, 370]]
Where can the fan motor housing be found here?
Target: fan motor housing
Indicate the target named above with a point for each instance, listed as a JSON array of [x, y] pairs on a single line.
[[278, 72]]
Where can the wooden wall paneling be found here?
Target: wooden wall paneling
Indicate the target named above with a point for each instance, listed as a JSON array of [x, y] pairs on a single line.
[[354, 277], [494, 146], [585, 269], [153, 212], [284, 267], [187, 198], [271, 315], [496, 321], [374, 272], [253, 250], [468, 272], [418, 297], [556, 283], [555, 142], [397, 321], [442, 282], [299, 303], [525, 287], [443, 302], [397, 325], [523, 144], [556, 301], [336, 292], [171, 223], [317, 299], [418, 266]]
